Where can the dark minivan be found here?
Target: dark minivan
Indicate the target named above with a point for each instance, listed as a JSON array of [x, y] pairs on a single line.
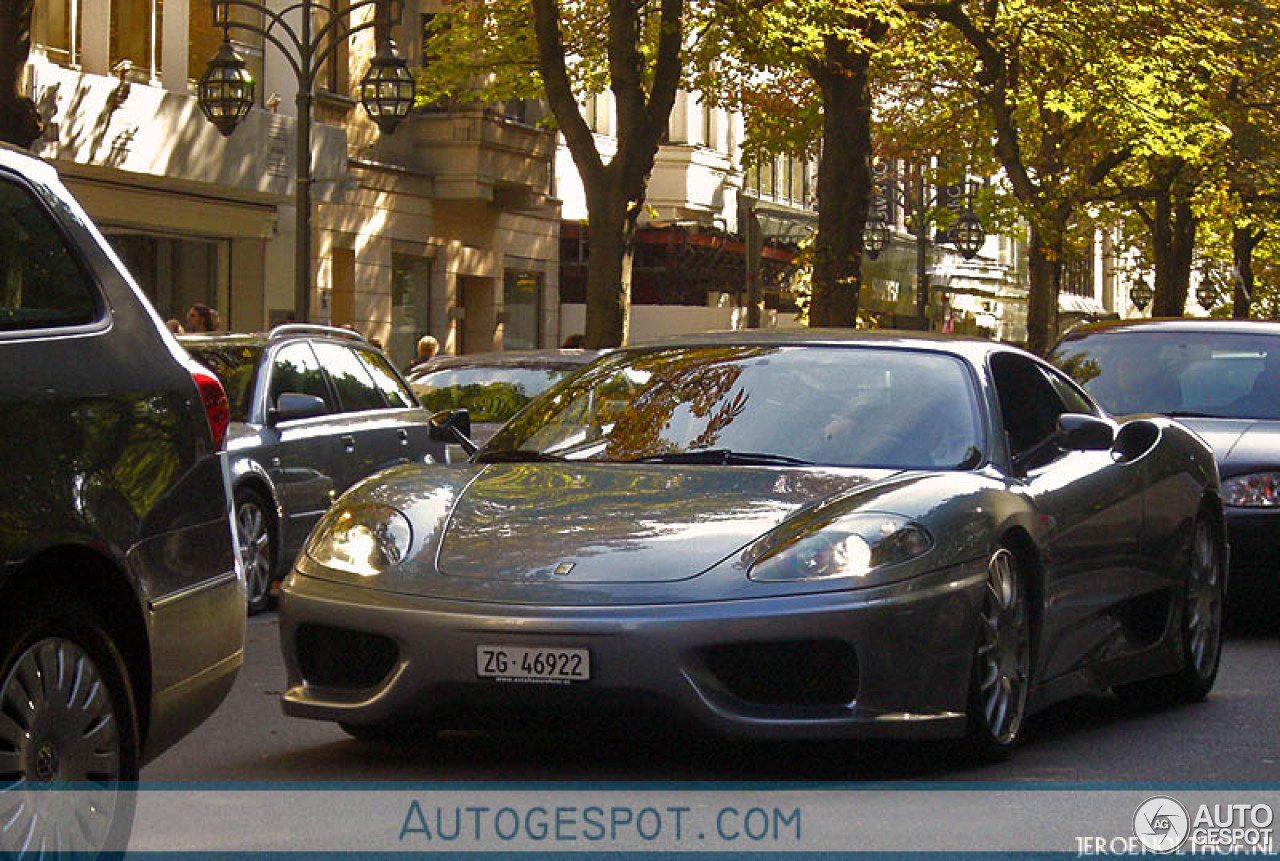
[[314, 409], [121, 609]]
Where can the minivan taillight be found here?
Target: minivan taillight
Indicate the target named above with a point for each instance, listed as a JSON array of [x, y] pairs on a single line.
[[216, 406]]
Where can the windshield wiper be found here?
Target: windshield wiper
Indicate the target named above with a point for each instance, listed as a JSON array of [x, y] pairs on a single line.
[[1192, 414], [516, 455], [721, 456]]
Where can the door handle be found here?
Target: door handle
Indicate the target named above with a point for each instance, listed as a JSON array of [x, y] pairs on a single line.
[[404, 436], [348, 441]]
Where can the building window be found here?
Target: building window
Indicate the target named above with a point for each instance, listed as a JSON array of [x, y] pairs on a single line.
[[410, 306], [56, 27], [135, 35], [767, 186], [335, 75], [522, 292]]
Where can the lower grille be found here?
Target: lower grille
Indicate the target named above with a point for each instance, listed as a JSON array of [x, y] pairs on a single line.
[[339, 658], [793, 673]]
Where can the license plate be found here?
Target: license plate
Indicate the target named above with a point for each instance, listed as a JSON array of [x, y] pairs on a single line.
[[521, 664]]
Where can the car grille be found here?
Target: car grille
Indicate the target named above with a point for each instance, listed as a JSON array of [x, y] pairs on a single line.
[[339, 658], [793, 673]]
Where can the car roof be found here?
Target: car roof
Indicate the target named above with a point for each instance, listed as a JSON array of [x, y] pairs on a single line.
[[507, 359], [262, 339], [1175, 324], [972, 348], [25, 163]]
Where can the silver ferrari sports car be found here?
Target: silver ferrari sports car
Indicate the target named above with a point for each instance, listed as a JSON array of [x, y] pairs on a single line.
[[815, 534]]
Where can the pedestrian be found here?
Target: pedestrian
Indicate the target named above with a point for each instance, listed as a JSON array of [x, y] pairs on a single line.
[[202, 318], [574, 342], [428, 346], [174, 326]]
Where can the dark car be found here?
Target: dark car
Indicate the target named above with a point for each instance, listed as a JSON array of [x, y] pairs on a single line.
[[314, 409], [492, 387], [1221, 378], [121, 610], [780, 534]]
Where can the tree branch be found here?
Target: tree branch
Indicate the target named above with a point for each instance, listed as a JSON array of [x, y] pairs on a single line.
[[555, 77]]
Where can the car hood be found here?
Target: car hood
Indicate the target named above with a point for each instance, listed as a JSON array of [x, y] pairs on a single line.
[[1239, 445], [611, 523], [586, 533]]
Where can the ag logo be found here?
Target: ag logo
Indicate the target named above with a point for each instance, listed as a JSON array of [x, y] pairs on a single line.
[[1161, 824]]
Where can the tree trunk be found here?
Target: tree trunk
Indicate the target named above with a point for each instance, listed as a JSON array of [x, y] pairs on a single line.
[[1042, 296], [19, 121], [1243, 241], [610, 231], [844, 186]]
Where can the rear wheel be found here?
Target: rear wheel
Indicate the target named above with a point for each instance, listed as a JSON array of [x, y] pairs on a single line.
[[67, 714], [1201, 633], [258, 546], [1001, 679]]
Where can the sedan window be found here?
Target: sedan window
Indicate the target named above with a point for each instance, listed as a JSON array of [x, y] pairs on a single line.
[[386, 379], [295, 369], [351, 378], [839, 406]]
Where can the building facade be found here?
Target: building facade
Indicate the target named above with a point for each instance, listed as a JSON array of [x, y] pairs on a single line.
[[448, 227]]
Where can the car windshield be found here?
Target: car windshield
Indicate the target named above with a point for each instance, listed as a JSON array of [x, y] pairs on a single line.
[[490, 394], [1205, 374], [842, 406], [236, 365]]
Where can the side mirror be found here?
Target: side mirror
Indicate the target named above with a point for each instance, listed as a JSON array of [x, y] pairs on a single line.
[[453, 426], [292, 405], [1083, 432]]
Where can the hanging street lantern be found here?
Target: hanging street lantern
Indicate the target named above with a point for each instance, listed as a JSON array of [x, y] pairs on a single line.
[[967, 234], [387, 89], [225, 91], [1141, 294], [875, 236], [1206, 295]]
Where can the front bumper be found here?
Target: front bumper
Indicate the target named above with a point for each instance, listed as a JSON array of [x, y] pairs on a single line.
[[913, 643]]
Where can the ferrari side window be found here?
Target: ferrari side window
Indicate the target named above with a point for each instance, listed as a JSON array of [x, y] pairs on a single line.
[[1029, 409]]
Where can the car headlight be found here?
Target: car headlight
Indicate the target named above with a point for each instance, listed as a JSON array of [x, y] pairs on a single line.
[[850, 547], [364, 538], [1258, 490]]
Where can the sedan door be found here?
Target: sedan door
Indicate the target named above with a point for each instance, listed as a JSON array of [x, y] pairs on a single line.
[[303, 456], [1091, 506], [406, 435], [370, 435]]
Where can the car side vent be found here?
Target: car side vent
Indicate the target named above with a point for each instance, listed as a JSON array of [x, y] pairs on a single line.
[[794, 673], [339, 658]]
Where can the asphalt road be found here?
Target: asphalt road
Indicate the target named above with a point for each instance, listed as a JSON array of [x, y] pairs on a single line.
[[1235, 735]]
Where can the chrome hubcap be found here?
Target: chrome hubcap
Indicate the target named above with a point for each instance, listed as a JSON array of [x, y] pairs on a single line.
[[57, 723], [1204, 601], [255, 542], [1005, 654]]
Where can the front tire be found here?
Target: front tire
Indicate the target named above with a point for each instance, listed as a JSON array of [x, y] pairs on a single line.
[[258, 546], [67, 714], [1001, 675]]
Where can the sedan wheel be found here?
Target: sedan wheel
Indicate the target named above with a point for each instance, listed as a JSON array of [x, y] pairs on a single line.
[[65, 716], [1002, 664], [257, 548]]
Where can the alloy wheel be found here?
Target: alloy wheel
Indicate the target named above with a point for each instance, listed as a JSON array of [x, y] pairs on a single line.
[[1005, 652], [57, 724], [255, 544], [1204, 601]]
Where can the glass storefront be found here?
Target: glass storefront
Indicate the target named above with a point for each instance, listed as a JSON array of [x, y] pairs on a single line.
[[174, 272]]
